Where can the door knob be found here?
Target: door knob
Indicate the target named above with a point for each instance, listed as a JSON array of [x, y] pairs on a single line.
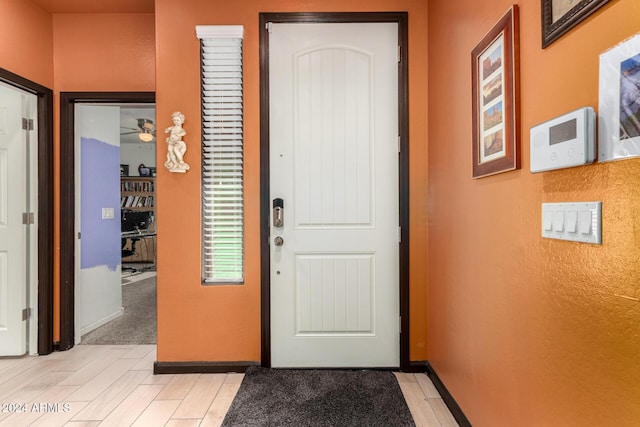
[[278, 241]]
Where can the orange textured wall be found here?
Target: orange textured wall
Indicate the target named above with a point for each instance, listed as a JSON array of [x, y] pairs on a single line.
[[222, 323], [523, 330], [26, 46], [104, 52]]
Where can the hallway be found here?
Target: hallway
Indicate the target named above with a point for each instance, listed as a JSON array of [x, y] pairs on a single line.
[[93, 385]]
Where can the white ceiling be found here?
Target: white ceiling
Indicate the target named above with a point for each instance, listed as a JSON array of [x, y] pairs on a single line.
[[129, 116]]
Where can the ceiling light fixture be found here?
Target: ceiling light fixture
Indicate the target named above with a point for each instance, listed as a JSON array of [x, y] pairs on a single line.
[[145, 137]]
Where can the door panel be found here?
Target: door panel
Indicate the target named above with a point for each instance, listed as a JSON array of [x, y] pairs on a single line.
[[334, 294], [13, 280], [333, 142], [98, 282], [334, 162]]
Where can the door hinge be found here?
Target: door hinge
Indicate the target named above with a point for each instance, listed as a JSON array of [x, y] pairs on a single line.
[[399, 234], [399, 54], [269, 27], [28, 218], [399, 144], [26, 313], [78, 235], [27, 124], [400, 323]]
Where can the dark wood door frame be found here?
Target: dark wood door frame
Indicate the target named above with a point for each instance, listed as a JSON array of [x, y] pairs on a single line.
[[68, 194], [45, 205], [401, 18]]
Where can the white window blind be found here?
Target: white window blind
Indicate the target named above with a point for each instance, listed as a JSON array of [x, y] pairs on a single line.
[[222, 154]]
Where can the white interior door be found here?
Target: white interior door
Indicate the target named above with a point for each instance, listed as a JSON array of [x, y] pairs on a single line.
[[334, 163], [18, 259], [98, 281]]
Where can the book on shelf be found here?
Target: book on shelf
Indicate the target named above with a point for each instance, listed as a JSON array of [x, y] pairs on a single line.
[[137, 193], [130, 185]]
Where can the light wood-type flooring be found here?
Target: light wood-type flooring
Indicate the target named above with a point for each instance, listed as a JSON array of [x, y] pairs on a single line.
[[113, 385]]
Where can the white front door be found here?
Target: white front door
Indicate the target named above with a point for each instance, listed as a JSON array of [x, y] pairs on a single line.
[[334, 163], [17, 240]]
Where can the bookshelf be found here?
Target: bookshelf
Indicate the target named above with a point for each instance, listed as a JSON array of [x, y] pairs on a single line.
[[137, 193]]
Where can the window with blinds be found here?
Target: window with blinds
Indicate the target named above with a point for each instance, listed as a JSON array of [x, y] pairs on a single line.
[[222, 154]]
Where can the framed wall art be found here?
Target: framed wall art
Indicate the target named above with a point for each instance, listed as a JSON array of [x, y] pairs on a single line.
[[619, 102], [495, 97], [559, 16]]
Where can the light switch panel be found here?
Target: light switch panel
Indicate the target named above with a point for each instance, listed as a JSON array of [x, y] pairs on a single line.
[[107, 213], [573, 221]]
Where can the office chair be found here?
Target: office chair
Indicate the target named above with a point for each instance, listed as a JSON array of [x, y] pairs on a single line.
[[129, 252]]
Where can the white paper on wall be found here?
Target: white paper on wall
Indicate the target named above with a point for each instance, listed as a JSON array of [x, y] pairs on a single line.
[[619, 103]]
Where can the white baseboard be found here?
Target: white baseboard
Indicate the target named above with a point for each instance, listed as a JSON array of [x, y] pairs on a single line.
[[104, 320]]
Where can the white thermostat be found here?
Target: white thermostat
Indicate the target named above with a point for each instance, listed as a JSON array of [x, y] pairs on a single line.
[[564, 142]]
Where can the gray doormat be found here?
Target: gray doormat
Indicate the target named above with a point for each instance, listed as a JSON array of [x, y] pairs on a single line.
[[296, 397]]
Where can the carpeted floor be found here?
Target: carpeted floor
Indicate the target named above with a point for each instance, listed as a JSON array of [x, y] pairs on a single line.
[[141, 271], [341, 398], [138, 323]]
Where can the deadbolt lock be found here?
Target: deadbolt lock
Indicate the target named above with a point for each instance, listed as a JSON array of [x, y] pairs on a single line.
[[278, 212]]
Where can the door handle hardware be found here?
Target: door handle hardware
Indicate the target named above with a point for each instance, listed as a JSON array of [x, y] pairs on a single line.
[[278, 241], [278, 212]]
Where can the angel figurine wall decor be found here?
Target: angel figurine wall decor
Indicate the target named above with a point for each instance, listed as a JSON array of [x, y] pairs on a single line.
[[176, 147]]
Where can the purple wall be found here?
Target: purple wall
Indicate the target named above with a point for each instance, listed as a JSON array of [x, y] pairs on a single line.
[[100, 184]]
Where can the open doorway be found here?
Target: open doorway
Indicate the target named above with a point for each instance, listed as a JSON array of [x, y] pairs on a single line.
[[115, 301], [137, 191], [86, 276]]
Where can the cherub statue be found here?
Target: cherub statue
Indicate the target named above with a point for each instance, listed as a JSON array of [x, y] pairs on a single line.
[[175, 145]]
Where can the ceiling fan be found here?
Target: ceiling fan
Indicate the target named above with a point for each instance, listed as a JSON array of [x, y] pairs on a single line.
[[146, 130]]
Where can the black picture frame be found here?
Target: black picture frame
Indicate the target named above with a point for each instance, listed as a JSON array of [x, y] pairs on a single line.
[[556, 23], [124, 170]]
